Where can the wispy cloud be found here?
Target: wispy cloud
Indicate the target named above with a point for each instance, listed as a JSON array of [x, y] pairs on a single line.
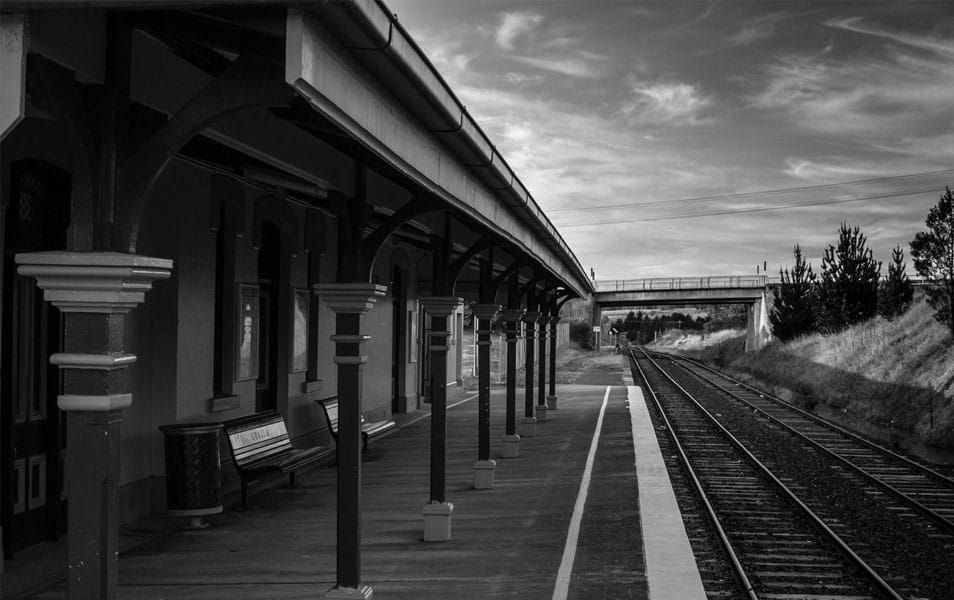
[[868, 97], [835, 169], [513, 25], [756, 29], [674, 103], [566, 66], [924, 42]]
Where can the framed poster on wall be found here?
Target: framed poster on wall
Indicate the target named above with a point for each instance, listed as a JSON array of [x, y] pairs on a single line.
[[299, 348], [246, 332]]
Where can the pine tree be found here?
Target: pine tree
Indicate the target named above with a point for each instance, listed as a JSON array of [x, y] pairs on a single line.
[[793, 311], [933, 254], [896, 292], [848, 285], [631, 326]]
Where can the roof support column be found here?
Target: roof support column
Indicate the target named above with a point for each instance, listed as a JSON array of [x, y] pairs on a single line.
[[484, 467], [437, 512], [528, 426], [542, 370], [511, 440], [349, 301], [94, 290], [552, 397]]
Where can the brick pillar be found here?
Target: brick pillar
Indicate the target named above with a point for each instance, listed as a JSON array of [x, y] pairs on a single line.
[[552, 397], [349, 301], [484, 467], [94, 291], [542, 370], [437, 512], [511, 441], [528, 426]]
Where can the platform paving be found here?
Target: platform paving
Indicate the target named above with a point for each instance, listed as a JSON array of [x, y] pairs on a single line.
[[507, 542]]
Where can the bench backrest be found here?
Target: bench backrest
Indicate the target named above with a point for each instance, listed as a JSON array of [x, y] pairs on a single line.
[[257, 437], [331, 409]]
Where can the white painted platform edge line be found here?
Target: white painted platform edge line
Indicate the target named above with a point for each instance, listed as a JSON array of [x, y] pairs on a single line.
[[562, 587], [671, 569]]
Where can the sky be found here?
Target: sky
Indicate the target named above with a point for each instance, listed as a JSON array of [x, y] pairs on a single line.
[[678, 138]]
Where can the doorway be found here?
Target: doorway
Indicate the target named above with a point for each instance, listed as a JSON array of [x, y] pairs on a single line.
[[33, 430], [269, 273]]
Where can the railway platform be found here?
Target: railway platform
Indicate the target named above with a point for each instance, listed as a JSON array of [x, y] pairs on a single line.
[[538, 533]]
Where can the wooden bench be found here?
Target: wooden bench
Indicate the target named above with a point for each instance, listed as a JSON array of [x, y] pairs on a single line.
[[260, 445], [368, 430]]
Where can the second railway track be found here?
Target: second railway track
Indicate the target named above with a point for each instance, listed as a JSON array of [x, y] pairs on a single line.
[[801, 522]]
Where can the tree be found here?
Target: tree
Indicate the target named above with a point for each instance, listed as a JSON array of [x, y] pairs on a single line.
[[631, 326], [847, 291], [896, 292], [793, 311], [933, 254]]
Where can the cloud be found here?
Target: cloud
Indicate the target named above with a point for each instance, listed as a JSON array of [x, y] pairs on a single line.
[[834, 170], [513, 25], [756, 29], [678, 104], [923, 42], [870, 98], [565, 66], [890, 97]]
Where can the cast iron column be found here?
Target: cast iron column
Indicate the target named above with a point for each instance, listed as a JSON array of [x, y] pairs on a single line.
[[528, 426], [511, 441], [94, 291], [437, 512], [349, 301], [552, 398], [484, 467], [542, 371]]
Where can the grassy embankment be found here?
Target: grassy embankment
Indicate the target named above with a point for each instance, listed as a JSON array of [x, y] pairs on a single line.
[[897, 374]]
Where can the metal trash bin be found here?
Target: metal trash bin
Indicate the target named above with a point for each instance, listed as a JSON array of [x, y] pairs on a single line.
[[193, 471]]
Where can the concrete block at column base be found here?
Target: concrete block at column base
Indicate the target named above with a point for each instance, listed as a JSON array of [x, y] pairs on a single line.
[[437, 521], [510, 445], [349, 593], [528, 427], [552, 402], [541, 412], [484, 474]]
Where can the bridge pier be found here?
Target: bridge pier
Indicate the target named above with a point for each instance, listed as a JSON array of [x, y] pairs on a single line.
[[758, 330]]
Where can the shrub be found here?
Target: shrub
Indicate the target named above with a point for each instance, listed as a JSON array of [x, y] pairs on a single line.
[[582, 334]]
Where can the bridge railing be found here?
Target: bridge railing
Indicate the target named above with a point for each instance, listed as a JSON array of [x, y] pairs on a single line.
[[681, 283]]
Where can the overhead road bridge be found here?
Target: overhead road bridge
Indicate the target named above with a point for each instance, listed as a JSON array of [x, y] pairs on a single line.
[[684, 291]]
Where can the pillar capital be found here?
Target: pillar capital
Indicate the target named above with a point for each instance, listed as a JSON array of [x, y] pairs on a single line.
[[350, 298], [530, 317], [485, 312], [93, 282], [441, 306], [511, 314]]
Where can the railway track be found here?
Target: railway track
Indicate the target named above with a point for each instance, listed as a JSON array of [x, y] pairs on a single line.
[[765, 524], [918, 486]]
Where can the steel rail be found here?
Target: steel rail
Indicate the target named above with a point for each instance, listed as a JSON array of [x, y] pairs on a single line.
[[723, 538], [933, 515], [852, 556], [929, 471]]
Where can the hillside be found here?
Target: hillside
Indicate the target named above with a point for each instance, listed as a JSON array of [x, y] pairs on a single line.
[[896, 374]]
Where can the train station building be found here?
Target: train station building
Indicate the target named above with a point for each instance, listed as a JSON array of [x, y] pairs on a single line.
[[212, 210]]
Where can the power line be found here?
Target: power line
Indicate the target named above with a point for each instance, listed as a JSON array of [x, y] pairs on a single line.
[[743, 195], [717, 213]]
